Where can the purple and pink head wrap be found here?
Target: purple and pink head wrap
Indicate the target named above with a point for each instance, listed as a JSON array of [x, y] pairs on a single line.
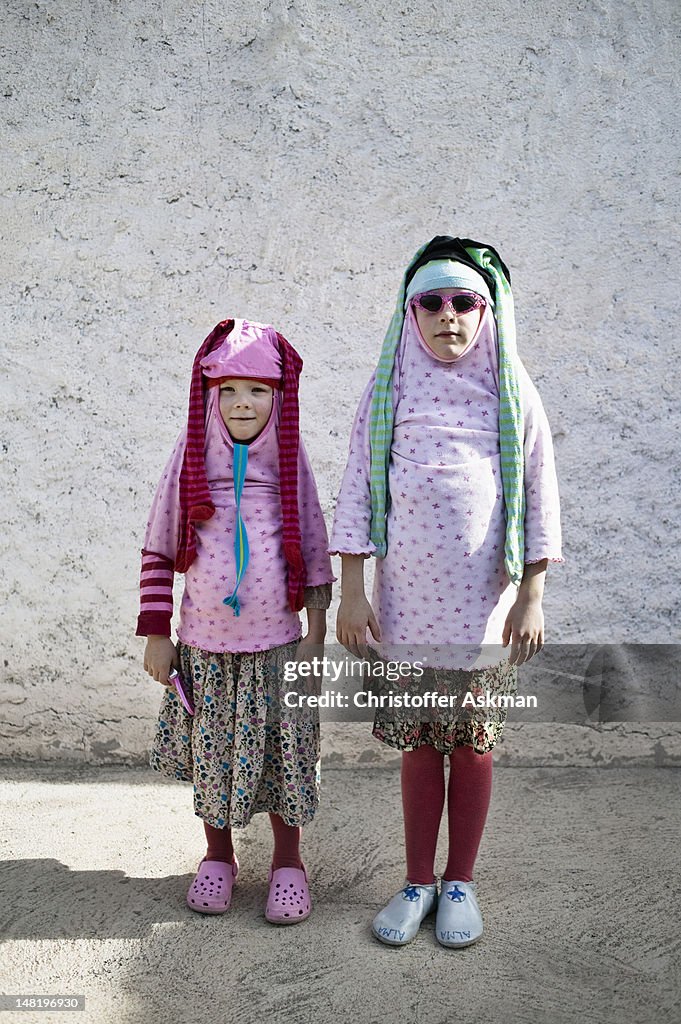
[[241, 348]]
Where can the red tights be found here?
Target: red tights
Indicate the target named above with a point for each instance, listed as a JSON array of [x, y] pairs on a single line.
[[286, 844], [423, 797]]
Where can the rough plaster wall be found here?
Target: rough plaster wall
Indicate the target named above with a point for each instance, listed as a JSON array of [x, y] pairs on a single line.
[[166, 165]]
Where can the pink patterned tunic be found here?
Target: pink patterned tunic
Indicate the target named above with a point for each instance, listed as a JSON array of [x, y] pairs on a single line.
[[443, 581]]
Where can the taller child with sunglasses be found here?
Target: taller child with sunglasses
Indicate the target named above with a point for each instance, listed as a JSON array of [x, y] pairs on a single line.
[[450, 484]]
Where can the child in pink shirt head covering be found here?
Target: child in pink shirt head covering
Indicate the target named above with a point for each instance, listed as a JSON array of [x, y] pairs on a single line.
[[237, 511], [450, 483]]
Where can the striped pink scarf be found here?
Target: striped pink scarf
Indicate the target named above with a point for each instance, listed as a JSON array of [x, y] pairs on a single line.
[[195, 501]]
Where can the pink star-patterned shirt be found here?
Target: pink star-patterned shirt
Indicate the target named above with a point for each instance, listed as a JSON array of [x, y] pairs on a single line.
[[442, 587], [265, 620]]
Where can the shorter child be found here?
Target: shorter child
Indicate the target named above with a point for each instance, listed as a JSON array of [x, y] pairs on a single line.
[[237, 511]]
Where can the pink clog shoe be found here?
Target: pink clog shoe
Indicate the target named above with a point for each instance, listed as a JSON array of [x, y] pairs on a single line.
[[289, 896], [211, 890]]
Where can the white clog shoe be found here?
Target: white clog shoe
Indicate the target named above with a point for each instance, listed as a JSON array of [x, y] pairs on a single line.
[[399, 922], [459, 921]]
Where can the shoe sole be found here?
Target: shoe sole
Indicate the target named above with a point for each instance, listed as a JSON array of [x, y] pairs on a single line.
[[286, 920], [207, 910]]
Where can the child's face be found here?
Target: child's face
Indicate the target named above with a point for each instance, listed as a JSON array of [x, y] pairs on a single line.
[[245, 407], [448, 333]]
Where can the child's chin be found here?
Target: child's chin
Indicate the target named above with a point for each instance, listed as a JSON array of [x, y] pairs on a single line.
[[452, 351], [243, 436]]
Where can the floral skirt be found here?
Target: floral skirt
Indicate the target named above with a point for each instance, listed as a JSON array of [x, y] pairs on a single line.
[[468, 726], [243, 750]]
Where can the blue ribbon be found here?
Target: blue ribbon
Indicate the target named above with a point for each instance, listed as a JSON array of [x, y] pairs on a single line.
[[241, 550]]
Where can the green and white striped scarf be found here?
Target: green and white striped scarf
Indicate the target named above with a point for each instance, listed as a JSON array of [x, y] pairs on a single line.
[[510, 415]]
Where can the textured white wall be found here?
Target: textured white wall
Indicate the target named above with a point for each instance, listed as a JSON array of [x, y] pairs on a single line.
[[168, 164]]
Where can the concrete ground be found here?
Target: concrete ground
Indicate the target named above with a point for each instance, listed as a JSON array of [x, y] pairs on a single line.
[[578, 878]]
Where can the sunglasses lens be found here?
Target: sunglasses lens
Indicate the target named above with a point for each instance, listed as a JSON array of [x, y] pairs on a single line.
[[433, 303], [464, 303]]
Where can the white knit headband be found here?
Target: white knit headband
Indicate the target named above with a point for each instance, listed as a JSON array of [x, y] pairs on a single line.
[[447, 274]]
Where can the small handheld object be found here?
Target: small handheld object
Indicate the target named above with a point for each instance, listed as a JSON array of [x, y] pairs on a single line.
[[176, 679]]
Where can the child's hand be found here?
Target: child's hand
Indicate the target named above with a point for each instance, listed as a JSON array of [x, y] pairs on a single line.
[[354, 615], [309, 648], [160, 656], [524, 628]]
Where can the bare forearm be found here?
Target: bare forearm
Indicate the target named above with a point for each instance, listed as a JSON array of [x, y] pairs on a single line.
[[316, 625], [352, 576], [532, 585]]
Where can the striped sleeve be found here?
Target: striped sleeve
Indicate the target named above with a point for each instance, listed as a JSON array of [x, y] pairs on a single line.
[[156, 595]]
